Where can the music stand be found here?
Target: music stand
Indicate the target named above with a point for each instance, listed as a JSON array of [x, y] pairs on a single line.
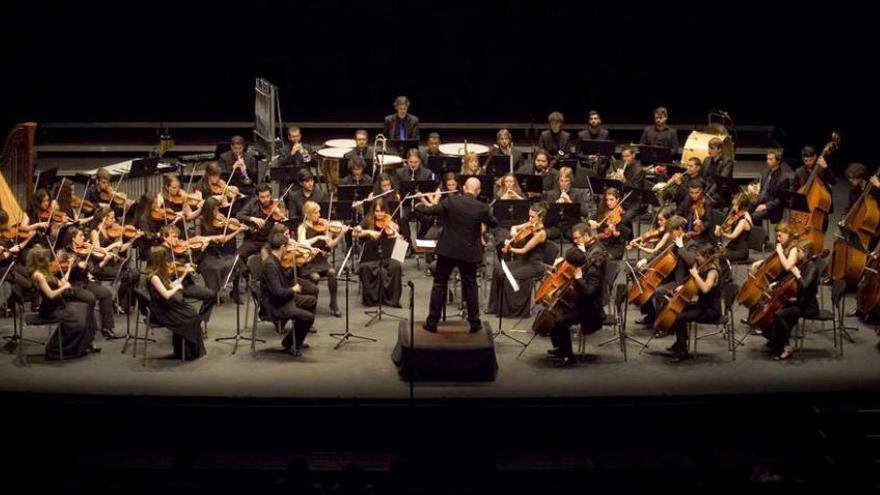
[[598, 185], [530, 184], [345, 336], [487, 187], [401, 146], [143, 167], [564, 216], [285, 176], [444, 164], [510, 212], [417, 186], [793, 200], [45, 178], [353, 192], [382, 253], [654, 154], [499, 165], [343, 165], [597, 147]]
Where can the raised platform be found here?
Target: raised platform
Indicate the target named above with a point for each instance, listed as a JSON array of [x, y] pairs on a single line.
[[453, 353]]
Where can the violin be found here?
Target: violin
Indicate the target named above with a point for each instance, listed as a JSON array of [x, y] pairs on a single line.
[[181, 246], [108, 195], [220, 221], [296, 254], [732, 219], [276, 210], [81, 204], [651, 235], [220, 188], [163, 214], [15, 231], [193, 200], [180, 269], [334, 227]]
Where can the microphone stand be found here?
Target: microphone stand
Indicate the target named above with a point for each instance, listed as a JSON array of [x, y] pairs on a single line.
[[345, 336], [412, 337]]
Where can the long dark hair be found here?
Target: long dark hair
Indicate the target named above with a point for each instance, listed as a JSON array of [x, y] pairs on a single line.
[[157, 264], [378, 203], [208, 208], [142, 212]]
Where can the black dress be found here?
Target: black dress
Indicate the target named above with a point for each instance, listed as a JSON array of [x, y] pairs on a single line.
[[177, 315], [738, 248], [216, 261], [374, 272], [320, 265], [526, 269], [76, 326]]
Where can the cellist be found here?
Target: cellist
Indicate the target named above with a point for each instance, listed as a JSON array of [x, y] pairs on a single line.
[[806, 305], [588, 279], [707, 307], [859, 178]]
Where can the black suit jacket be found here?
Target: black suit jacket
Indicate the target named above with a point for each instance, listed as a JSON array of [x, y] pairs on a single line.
[[553, 144], [590, 290], [722, 167], [769, 194], [576, 195], [550, 179], [585, 135], [410, 124], [275, 289], [462, 217], [227, 159], [403, 174], [295, 160]]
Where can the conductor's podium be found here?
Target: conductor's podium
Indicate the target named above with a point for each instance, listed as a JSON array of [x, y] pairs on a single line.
[[451, 354]]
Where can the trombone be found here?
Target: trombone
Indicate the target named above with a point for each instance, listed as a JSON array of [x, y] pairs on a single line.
[[379, 138]]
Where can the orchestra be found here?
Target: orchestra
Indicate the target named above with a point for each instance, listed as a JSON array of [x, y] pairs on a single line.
[[69, 253]]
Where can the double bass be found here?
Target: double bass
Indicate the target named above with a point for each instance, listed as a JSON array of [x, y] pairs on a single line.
[[863, 219], [652, 276], [683, 294], [868, 293], [809, 224]]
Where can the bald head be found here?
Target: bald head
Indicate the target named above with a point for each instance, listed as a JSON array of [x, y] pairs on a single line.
[[472, 186]]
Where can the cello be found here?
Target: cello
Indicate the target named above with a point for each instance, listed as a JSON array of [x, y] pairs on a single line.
[[809, 224], [683, 294], [868, 293], [863, 219], [652, 276], [772, 301], [557, 293]]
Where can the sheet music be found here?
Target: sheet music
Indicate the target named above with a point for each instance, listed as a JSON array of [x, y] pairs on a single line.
[[399, 251], [426, 243], [509, 276]]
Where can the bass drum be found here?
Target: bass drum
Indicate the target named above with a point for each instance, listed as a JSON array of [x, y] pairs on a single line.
[[697, 146]]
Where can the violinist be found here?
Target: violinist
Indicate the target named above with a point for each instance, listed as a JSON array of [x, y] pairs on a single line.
[[113, 238], [218, 258], [76, 319], [806, 271], [174, 199], [707, 307], [320, 233], [85, 256], [307, 192], [612, 224], [657, 233], [260, 214], [170, 235], [307, 287], [526, 245], [148, 219], [170, 309], [63, 213], [13, 249], [212, 185], [102, 194], [377, 232], [564, 193], [587, 310], [697, 209], [734, 231], [283, 302]]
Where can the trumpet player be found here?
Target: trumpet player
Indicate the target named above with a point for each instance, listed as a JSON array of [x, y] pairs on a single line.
[[295, 153]]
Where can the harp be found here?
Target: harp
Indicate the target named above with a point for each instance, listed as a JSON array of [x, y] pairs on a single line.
[[17, 170]]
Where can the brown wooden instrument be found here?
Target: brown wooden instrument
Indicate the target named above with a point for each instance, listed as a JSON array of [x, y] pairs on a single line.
[[276, 210], [108, 195], [756, 283], [557, 293], [683, 294], [863, 219], [761, 315], [652, 276], [809, 224], [868, 293], [83, 205]]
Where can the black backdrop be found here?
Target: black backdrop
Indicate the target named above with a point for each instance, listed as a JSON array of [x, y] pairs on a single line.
[[803, 69]]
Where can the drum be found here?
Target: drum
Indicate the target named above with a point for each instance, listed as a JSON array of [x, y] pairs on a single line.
[[340, 143], [457, 149], [697, 146], [386, 163], [330, 163]]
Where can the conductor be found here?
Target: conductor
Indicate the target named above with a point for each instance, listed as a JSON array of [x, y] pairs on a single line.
[[459, 246]]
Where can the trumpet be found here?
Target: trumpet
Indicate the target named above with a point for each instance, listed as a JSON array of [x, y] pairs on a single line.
[[379, 138]]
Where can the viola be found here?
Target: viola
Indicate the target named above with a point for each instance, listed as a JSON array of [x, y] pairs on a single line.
[[163, 214], [276, 210], [130, 232], [181, 246], [296, 254], [219, 188], [648, 236], [220, 221], [334, 227], [108, 195], [114, 230], [193, 200]]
